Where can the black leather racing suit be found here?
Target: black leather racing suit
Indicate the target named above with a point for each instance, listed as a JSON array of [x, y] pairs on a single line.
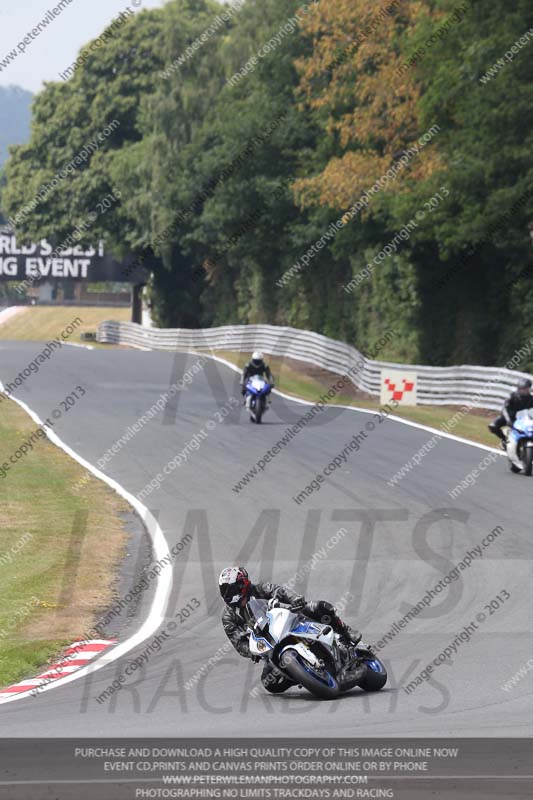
[[515, 402], [251, 369], [236, 627]]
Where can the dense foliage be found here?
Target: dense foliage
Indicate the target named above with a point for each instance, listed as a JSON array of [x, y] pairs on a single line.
[[248, 136]]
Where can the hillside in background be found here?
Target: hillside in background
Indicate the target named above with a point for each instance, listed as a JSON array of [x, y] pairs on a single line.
[[15, 118]]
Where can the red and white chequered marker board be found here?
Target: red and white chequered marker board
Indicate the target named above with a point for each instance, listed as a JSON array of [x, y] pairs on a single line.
[[78, 655], [400, 386]]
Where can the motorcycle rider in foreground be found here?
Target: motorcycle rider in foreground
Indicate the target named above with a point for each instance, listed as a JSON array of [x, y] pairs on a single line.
[[517, 401], [236, 589], [256, 366]]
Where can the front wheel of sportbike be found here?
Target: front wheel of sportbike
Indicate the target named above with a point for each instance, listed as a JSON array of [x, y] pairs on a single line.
[[259, 411], [528, 460], [375, 677], [320, 683]]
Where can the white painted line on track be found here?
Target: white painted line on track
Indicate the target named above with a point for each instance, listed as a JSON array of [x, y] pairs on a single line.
[[161, 549], [371, 412], [84, 346], [367, 411]]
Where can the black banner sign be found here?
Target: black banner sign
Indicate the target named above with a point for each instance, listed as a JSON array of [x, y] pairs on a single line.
[[40, 262]]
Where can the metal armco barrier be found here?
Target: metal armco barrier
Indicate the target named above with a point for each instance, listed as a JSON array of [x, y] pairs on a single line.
[[483, 387]]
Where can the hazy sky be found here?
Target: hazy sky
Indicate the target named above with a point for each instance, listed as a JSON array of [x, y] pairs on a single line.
[[57, 45]]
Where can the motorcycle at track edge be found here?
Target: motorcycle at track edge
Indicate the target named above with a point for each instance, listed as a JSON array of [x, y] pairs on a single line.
[[257, 394], [520, 443], [309, 653]]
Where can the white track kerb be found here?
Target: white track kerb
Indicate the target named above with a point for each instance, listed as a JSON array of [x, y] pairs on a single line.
[[164, 579]]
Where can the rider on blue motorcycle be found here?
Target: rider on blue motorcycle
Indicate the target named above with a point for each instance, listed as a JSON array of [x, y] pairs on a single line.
[[517, 401], [256, 366], [236, 589]]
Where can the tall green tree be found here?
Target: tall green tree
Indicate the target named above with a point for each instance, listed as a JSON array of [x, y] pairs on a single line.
[[473, 291]]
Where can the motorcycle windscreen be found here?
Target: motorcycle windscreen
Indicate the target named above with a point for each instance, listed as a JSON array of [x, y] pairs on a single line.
[[257, 609], [281, 622], [259, 618], [257, 383], [524, 421]]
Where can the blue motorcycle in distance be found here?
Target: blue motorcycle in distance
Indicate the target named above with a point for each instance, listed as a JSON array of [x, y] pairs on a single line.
[[520, 443], [257, 393]]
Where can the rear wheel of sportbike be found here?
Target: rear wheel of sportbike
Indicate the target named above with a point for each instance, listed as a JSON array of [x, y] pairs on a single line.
[[527, 458], [375, 677], [321, 683]]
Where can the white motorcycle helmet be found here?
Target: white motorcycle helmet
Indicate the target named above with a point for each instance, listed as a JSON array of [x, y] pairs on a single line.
[[257, 358]]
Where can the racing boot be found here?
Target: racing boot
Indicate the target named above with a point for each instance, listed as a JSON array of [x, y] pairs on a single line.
[[348, 636], [497, 431], [326, 614]]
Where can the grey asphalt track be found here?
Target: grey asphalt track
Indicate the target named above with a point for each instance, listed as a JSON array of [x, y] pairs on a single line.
[[399, 542]]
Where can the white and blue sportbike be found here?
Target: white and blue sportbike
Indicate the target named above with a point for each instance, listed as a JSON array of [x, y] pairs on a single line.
[[520, 443], [257, 397], [310, 654]]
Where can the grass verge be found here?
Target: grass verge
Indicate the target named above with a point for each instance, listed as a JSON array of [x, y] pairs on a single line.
[[303, 380], [59, 550], [44, 323]]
